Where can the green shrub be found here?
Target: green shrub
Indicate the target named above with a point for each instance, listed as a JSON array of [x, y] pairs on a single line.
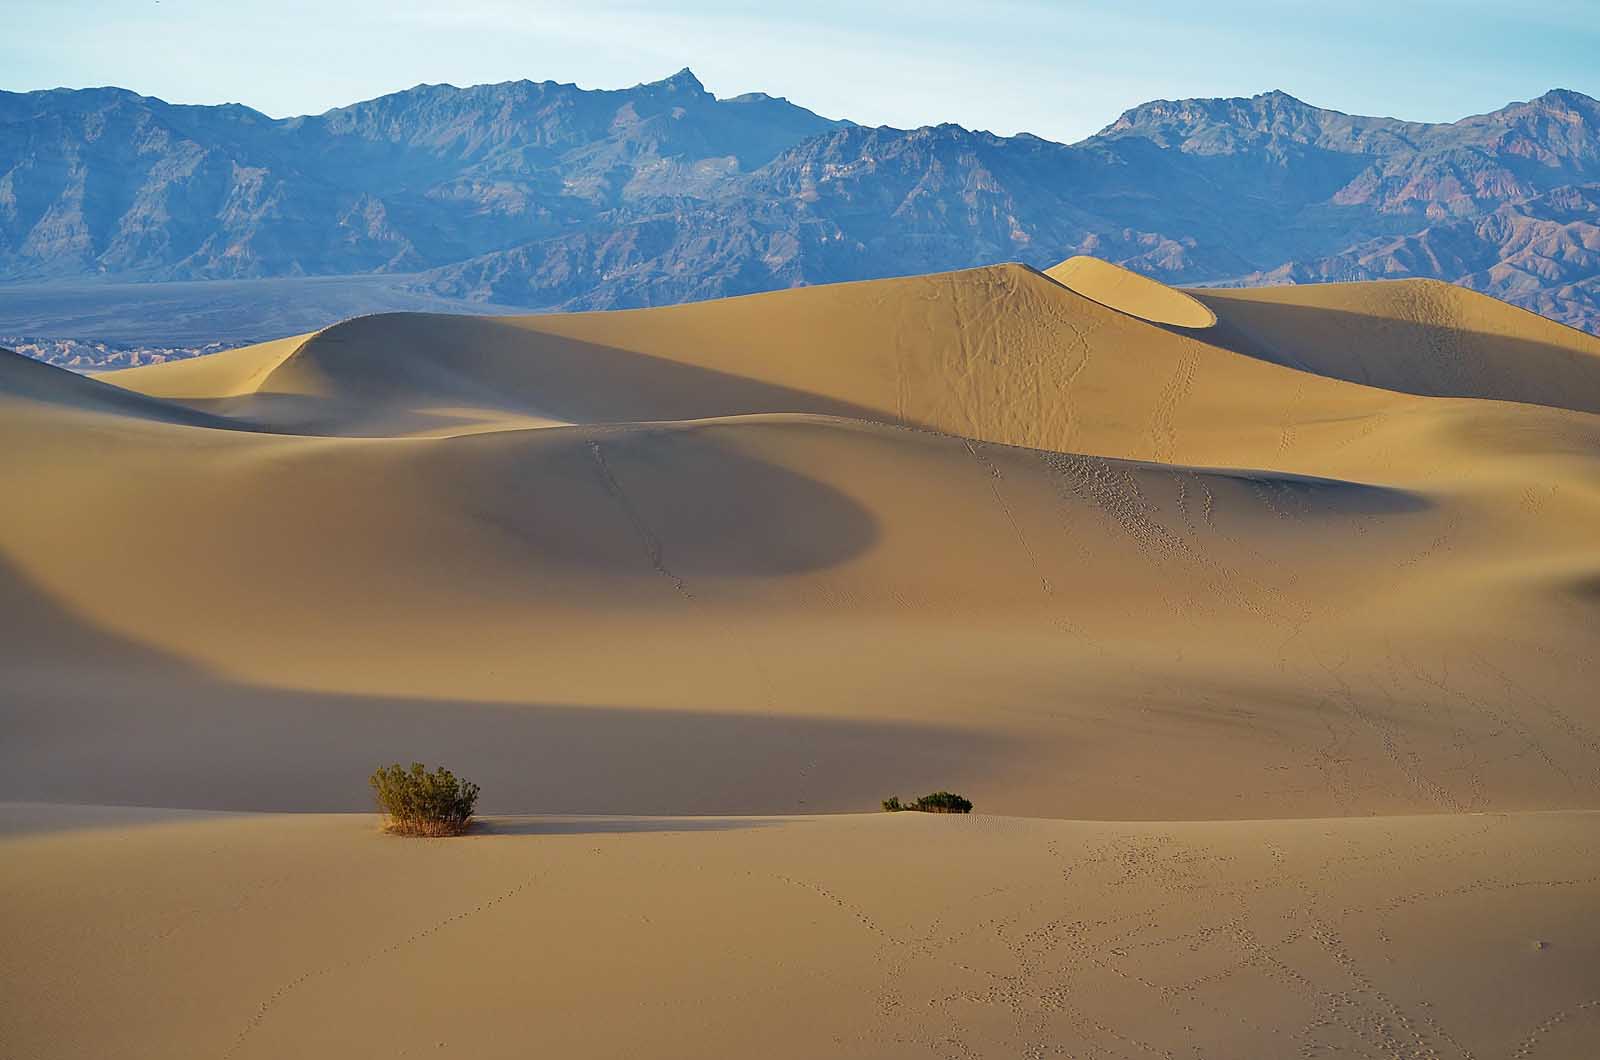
[[943, 802], [938, 802], [418, 802]]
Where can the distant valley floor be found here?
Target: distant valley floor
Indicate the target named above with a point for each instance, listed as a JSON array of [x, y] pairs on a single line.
[[99, 326]]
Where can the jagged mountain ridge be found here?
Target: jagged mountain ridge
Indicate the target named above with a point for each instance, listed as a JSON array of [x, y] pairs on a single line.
[[103, 181], [551, 196]]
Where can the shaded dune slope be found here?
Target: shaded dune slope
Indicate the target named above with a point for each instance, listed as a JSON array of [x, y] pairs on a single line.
[[1331, 553], [28, 383], [1418, 337]]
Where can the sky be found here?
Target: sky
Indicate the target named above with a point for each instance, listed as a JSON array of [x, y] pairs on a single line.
[[1061, 70]]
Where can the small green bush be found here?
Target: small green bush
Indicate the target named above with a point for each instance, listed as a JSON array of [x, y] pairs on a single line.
[[418, 802], [938, 802]]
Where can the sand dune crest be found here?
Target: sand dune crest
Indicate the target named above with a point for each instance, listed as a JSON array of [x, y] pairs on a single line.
[[1128, 292]]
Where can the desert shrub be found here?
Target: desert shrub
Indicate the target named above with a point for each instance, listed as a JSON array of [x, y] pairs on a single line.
[[938, 802], [943, 802], [418, 802]]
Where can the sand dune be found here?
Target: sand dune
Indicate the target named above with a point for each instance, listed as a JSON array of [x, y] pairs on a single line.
[[28, 385], [1088, 557], [1128, 292], [875, 937], [977, 506], [1419, 337]]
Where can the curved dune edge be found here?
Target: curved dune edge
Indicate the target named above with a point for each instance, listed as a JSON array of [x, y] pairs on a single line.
[[231, 373], [1127, 292]]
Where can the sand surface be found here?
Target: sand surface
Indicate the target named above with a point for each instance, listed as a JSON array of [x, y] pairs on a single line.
[[851, 936], [1331, 558], [1128, 292]]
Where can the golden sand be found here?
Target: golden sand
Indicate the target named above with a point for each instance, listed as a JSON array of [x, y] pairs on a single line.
[[1080, 557]]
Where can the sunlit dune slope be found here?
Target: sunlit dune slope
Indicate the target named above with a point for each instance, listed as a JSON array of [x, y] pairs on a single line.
[[231, 373], [856, 936], [1128, 292], [796, 551]]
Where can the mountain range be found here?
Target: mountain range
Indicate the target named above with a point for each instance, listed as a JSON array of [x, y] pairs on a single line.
[[548, 196]]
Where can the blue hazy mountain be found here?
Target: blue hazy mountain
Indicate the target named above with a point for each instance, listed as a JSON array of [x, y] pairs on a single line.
[[545, 195]]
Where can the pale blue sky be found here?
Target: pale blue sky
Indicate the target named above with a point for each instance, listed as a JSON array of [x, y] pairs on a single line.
[[1060, 70]]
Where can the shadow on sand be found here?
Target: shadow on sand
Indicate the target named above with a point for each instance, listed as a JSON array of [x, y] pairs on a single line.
[[88, 716], [604, 825], [1439, 361]]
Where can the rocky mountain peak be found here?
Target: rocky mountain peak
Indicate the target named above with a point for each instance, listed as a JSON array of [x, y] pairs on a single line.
[[683, 82]]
